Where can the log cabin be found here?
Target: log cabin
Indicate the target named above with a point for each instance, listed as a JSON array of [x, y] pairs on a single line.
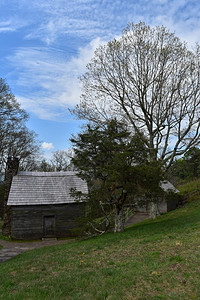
[[42, 205]]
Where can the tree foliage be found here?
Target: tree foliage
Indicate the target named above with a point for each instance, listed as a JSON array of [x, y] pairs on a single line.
[[115, 165], [44, 166], [188, 166], [150, 80]]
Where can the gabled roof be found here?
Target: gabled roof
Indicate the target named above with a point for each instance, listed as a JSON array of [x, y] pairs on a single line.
[[168, 186], [38, 188]]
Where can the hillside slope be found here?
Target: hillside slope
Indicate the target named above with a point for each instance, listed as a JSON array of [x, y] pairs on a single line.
[[157, 259]]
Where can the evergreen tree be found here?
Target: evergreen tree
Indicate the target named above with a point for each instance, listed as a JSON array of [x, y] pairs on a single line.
[[113, 163]]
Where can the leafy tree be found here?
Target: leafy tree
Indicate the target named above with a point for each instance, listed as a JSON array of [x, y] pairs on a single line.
[[113, 164], [150, 80], [188, 166], [192, 158], [44, 166], [178, 169], [15, 138]]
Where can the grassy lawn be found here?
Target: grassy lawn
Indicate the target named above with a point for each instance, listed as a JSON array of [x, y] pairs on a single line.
[[157, 259]]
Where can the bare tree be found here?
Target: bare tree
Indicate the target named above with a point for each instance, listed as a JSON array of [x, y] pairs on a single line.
[[61, 160], [151, 81], [16, 140]]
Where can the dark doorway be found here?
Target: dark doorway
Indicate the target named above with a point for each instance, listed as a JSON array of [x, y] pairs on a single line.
[[49, 226]]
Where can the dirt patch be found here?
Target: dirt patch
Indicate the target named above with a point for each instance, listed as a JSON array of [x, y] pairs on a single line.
[[135, 218], [11, 249]]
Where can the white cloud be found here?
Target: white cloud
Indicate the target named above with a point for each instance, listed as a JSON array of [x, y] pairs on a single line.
[[47, 146], [48, 83], [52, 20], [179, 16], [11, 25]]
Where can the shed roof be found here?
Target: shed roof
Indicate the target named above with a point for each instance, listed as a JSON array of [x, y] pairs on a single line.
[[168, 186], [39, 188]]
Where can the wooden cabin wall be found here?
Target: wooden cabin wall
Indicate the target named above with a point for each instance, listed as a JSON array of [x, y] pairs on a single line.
[[28, 221]]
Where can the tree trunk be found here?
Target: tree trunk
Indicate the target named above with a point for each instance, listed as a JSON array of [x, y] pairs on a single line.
[[119, 220], [154, 210]]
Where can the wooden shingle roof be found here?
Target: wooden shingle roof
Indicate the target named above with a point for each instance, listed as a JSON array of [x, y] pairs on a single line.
[[38, 188]]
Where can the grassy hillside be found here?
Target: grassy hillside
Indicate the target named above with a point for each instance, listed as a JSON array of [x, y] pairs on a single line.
[[157, 259], [190, 190]]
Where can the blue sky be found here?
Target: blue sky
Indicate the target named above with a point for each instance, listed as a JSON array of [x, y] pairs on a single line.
[[46, 44]]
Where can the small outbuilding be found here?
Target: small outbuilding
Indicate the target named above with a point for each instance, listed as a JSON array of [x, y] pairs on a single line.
[[42, 206], [167, 202]]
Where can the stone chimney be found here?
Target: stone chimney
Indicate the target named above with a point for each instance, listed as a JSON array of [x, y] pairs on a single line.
[[12, 167]]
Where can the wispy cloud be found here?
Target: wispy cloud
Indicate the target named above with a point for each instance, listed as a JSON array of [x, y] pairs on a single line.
[[11, 25], [47, 77], [47, 83], [179, 16], [53, 20]]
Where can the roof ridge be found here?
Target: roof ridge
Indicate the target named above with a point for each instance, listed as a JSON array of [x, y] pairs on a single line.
[[46, 174]]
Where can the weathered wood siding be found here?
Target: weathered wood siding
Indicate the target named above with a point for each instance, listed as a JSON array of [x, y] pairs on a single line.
[[172, 204], [28, 221], [163, 206]]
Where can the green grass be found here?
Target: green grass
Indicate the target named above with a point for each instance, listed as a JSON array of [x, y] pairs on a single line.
[[157, 259], [190, 190]]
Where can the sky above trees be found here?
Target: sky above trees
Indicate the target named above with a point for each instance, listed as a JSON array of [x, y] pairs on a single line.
[[45, 46]]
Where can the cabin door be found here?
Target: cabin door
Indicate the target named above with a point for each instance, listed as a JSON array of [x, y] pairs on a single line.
[[49, 226]]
